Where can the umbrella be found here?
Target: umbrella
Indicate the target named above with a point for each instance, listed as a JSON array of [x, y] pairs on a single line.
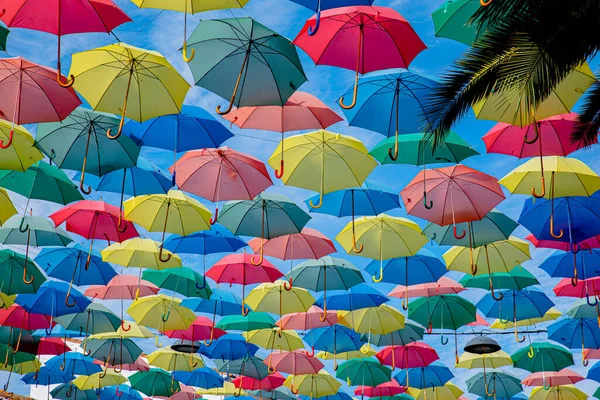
[[229, 347], [318, 275], [156, 382], [140, 253], [129, 74], [551, 315], [32, 93], [564, 265], [447, 391], [122, 287], [46, 377], [275, 299], [517, 278], [123, 392], [293, 362], [442, 286], [174, 212], [313, 385], [357, 297], [367, 371], [382, 96], [278, 215], [504, 385], [71, 362], [273, 338], [13, 266], [308, 320], [423, 269], [562, 377], [269, 383], [344, 162], [333, 339], [584, 288], [221, 302], [412, 355], [99, 380], [172, 360], [401, 337], [390, 389], [566, 392], [201, 329], [363, 352], [74, 393], [250, 366], [7, 208], [184, 281], [238, 69], [249, 322], [221, 174], [21, 154], [452, 20], [545, 357], [18, 317], [227, 389], [206, 378], [380, 30], [433, 375], [574, 333], [379, 320]]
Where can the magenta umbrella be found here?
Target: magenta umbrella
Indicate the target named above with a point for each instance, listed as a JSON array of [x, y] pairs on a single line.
[[31, 94], [362, 39]]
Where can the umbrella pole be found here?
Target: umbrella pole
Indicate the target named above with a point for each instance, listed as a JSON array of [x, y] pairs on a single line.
[[473, 265], [120, 228], [93, 236], [217, 186], [456, 359], [32, 278], [543, 178], [456, 235], [71, 283], [310, 202], [377, 280], [554, 235], [279, 331], [285, 284], [85, 156], [160, 253], [584, 361], [193, 52], [279, 172], [500, 294], [262, 237], [358, 58], [237, 83], [354, 248], [519, 340], [87, 323], [108, 132], [405, 301], [16, 113], [71, 80], [427, 205], [212, 331], [323, 317], [244, 310], [394, 156]]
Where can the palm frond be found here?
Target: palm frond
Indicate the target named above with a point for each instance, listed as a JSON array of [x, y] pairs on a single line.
[[586, 131]]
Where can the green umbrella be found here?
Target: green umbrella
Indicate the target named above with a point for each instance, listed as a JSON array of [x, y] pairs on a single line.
[[114, 350], [41, 181], [79, 142], [325, 273], [518, 278], [597, 393], [10, 336], [68, 391], [544, 356], [281, 393], [413, 149], [495, 384], [266, 216], [13, 274], [155, 382], [409, 334], [184, 281], [252, 367], [246, 62], [452, 20], [581, 309], [3, 36], [250, 322], [363, 372]]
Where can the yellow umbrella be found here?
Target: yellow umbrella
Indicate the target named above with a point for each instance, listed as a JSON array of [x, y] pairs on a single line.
[[20, 368], [313, 385], [7, 209], [273, 338], [174, 212], [139, 253], [115, 78], [322, 161], [551, 315], [21, 154], [135, 332], [228, 389], [172, 360], [501, 256], [564, 392], [99, 380], [377, 320], [190, 7], [383, 236], [365, 351], [447, 392], [508, 106], [275, 299], [7, 300]]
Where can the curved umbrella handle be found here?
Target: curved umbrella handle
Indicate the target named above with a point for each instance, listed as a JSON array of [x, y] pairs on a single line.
[[531, 351], [123, 326], [488, 394], [10, 140], [288, 287], [393, 155], [260, 259], [312, 30], [429, 205], [32, 278], [485, 3], [193, 363], [442, 341], [294, 391], [160, 255], [575, 278], [173, 389], [587, 298], [429, 327], [279, 172], [546, 385], [70, 81], [237, 84], [16, 349], [22, 228], [355, 249], [121, 229], [67, 303], [376, 280], [519, 340], [118, 393], [311, 354], [462, 235], [165, 316], [214, 221], [310, 202], [535, 138], [541, 195], [200, 287], [185, 55], [584, 360], [156, 341], [245, 311]]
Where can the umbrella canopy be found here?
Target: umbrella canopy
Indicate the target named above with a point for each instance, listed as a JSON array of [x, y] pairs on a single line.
[[452, 19], [379, 320], [533, 303], [433, 375], [575, 333], [204, 377], [275, 299], [155, 382], [140, 253], [21, 154], [412, 355], [503, 385], [7, 208], [52, 298], [442, 312], [273, 338], [366, 200], [252, 367], [308, 320], [492, 360], [184, 281], [447, 391], [15, 266], [217, 240], [172, 360], [315, 385], [123, 287], [401, 337], [252, 321], [366, 371], [563, 377], [517, 278], [546, 357], [411, 270], [295, 362], [228, 347], [161, 312], [566, 392], [96, 318], [442, 286], [333, 339]]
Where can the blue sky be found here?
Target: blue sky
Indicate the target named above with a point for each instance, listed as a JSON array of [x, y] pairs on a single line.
[[162, 31]]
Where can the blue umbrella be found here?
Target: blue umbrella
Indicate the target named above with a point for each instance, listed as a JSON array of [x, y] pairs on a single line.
[[319, 5], [564, 265], [572, 219], [594, 373], [391, 103], [423, 269], [532, 303], [576, 333], [355, 202], [333, 339], [355, 298], [121, 392], [435, 374], [57, 331], [68, 391], [206, 378], [221, 302], [228, 347], [72, 362], [52, 298], [47, 377]]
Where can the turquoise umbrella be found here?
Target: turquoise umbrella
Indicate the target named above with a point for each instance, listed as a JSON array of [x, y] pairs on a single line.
[[452, 20], [14, 273], [251, 366], [409, 334], [363, 372], [266, 216], [79, 142], [155, 382], [244, 61], [113, 351], [68, 391], [184, 281], [501, 384], [518, 278]]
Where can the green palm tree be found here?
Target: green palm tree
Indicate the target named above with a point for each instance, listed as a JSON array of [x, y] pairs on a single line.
[[529, 47]]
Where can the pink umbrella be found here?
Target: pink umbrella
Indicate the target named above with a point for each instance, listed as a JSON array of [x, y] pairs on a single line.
[[221, 174], [442, 286], [308, 244], [412, 355], [17, 317], [301, 111], [584, 288], [186, 393], [305, 321], [52, 346], [31, 94], [591, 354], [391, 388], [122, 287], [272, 381], [562, 377], [295, 362], [457, 194], [592, 243], [480, 321], [201, 329], [357, 38]]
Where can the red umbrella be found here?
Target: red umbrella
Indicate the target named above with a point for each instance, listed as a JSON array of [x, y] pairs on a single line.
[[362, 39], [95, 220], [302, 111], [295, 362], [305, 321], [308, 244], [442, 286], [412, 355], [221, 174], [584, 288], [391, 388], [239, 269], [63, 17], [17, 317], [52, 346], [456, 194], [551, 378], [270, 382], [201, 329], [30, 94], [591, 243]]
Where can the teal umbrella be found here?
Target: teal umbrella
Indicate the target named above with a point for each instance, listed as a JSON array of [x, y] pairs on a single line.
[[244, 61], [452, 20], [581, 309], [363, 372], [114, 350], [79, 142], [518, 278], [3, 36], [15, 271], [250, 322], [323, 274], [252, 367], [409, 334], [68, 391], [41, 181], [154, 383], [184, 281], [266, 216], [499, 385]]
